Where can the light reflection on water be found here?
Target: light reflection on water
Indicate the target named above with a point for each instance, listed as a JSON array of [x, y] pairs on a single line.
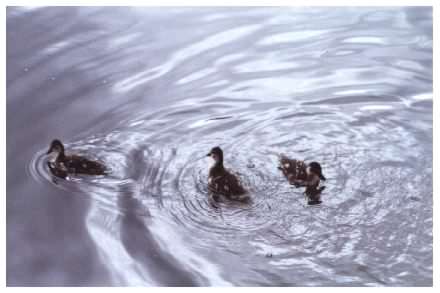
[[150, 91]]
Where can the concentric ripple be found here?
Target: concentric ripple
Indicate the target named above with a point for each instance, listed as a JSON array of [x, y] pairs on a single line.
[[258, 83], [367, 184]]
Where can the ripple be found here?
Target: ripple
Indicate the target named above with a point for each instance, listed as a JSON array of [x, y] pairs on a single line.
[[366, 40], [288, 37], [355, 99], [353, 94], [192, 51]]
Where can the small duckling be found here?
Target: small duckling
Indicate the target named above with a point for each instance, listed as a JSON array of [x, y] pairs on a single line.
[[73, 164], [299, 174], [293, 169], [220, 181]]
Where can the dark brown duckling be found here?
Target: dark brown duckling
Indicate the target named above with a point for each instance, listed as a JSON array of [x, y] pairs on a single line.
[[72, 164], [300, 174], [293, 169], [222, 182]]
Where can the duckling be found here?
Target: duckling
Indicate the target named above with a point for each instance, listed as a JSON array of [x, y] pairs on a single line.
[[300, 174], [293, 169], [222, 182], [64, 165]]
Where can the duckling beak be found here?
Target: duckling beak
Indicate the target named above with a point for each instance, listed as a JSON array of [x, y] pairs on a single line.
[[208, 155], [49, 151]]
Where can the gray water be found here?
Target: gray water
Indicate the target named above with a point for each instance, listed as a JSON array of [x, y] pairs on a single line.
[[150, 90]]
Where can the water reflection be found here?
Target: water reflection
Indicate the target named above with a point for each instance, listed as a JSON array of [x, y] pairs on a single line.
[[150, 91]]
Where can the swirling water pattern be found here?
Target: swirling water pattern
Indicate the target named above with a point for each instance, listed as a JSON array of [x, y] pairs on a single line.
[[150, 90]]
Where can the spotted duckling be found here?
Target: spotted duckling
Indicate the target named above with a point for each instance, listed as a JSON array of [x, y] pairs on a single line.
[[298, 173], [222, 182], [72, 164]]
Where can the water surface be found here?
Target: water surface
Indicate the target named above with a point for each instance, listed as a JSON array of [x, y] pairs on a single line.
[[150, 90]]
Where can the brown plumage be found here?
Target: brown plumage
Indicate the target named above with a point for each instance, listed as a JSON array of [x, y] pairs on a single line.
[[293, 169], [298, 173], [72, 164], [222, 182]]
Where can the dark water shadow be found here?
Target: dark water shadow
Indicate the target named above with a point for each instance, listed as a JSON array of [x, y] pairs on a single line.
[[139, 241]]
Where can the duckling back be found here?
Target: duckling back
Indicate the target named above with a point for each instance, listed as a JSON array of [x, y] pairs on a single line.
[[293, 169], [78, 165], [226, 184], [81, 165]]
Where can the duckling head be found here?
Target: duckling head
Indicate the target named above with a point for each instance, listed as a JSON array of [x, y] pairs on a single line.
[[315, 167], [56, 146], [217, 154]]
